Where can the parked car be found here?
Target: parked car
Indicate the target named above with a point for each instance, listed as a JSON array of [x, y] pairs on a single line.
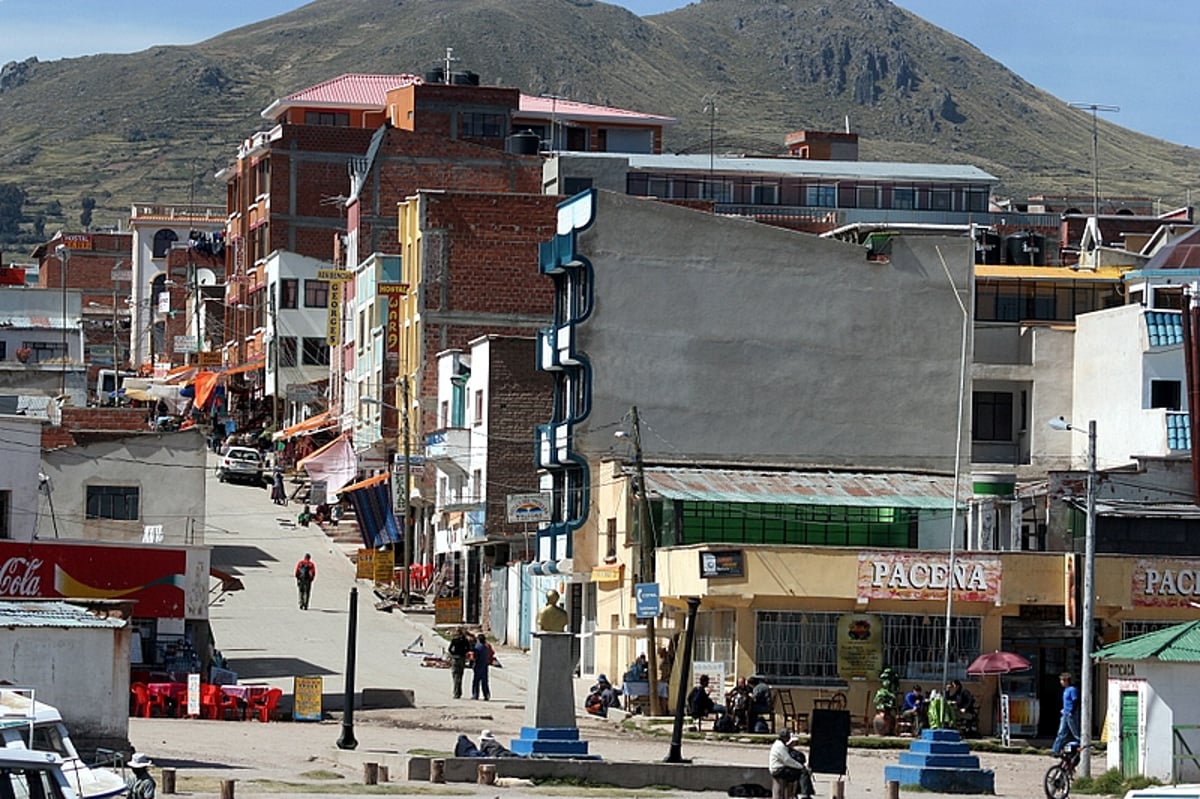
[[241, 463]]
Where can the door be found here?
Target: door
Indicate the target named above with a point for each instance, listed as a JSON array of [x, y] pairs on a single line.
[[498, 609], [1129, 734]]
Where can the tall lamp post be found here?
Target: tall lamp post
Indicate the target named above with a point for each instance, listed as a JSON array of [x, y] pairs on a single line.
[[1089, 595]]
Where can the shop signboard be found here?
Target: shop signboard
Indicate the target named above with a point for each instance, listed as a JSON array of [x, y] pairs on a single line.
[[859, 646], [447, 610], [165, 582], [529, 507], [306, 692], [1165, 583], [925, 576], [725, 563]]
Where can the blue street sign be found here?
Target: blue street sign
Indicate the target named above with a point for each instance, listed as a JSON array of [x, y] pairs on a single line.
[[648, 604]]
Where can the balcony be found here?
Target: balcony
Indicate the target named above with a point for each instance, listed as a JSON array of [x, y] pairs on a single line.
[[449, 449]]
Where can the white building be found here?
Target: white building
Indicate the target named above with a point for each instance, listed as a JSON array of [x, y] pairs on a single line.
[[296, 337], [19, 476], [34, 335]]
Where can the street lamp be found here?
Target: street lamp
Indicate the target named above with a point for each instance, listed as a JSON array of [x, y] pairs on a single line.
[[1089, 594]]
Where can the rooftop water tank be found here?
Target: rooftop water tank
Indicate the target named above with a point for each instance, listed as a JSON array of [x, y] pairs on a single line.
[[524, 143]]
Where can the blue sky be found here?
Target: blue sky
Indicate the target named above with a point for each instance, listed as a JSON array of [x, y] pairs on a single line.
[[1114, 52]]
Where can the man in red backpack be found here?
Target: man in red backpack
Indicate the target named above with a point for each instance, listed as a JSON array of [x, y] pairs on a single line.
[[306, 572]]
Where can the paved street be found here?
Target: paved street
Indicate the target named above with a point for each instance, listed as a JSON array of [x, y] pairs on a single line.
[[267, 638]]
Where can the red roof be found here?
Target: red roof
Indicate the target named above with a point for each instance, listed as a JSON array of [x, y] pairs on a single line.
[[357, 90]]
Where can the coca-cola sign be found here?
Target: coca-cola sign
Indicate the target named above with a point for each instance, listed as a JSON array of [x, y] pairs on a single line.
[[19, 578], [164, 582]]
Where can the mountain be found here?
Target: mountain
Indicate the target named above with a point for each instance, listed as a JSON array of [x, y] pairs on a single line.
[[154, 126]]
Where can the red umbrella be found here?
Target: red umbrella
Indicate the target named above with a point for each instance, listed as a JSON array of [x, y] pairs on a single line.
[[998, 663]]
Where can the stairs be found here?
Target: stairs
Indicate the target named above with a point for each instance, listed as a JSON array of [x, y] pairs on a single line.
[[941, 762]]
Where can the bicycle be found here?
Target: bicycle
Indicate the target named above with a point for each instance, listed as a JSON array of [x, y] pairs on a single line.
[[1057, 782]]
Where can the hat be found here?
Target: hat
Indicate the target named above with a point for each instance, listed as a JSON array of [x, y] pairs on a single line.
[[486, 735], [602, 678], [140, 761]]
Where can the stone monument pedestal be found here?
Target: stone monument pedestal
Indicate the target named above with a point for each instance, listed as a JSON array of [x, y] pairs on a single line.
[[549, 729]]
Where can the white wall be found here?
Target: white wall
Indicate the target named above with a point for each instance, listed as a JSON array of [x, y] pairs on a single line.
[[298, 323], [19, 468], [1167, 698], [82, 671]]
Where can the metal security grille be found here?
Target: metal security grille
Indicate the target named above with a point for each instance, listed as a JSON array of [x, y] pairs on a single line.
[[716, 637], [793, 648], [1131, 629]]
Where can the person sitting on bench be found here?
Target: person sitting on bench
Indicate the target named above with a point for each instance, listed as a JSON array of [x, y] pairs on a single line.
[[788, 765]]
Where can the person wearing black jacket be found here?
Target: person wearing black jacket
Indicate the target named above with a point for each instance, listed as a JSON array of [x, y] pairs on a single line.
[[459, 647]]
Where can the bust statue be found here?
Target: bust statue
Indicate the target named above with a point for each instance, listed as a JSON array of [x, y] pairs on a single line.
[[552, 618]]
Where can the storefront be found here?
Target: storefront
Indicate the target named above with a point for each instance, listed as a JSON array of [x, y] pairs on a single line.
[[169, 587]]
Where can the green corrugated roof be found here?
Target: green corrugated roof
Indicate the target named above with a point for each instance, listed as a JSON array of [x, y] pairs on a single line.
[[1180, 643]]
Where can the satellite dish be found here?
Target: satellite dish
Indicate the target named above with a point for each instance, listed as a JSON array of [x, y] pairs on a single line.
[[206, 277]]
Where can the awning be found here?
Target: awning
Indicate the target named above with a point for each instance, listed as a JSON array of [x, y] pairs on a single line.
[[246, 367], [372, 501], [335, 463], [138, 394], [180, 374], [313, 424]]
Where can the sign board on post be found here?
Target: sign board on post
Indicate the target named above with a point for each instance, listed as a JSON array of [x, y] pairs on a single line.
[[529, 507], [391, 289], [333, 317], [185, 344], [307, 702], [317, 494], [193, 695], [210, 359], [648, 601]]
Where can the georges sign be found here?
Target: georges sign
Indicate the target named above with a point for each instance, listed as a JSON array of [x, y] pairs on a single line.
[[164, 582], [926, 575], [1167, 583]]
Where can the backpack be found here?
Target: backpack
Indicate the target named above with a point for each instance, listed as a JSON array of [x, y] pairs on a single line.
[[306, 572], [724, 723]]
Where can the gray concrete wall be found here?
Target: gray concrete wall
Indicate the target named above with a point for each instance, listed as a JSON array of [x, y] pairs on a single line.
[[738, 341], [687, 776]]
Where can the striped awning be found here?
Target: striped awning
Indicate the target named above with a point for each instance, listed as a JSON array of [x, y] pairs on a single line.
[[372, 501]]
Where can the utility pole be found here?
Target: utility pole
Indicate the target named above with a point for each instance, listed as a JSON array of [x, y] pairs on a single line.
[[1095, 108], [405, 498], [647, 559], [273, 308], [64, 255]]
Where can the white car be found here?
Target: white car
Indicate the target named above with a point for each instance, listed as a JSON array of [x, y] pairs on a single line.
[[241, 463]]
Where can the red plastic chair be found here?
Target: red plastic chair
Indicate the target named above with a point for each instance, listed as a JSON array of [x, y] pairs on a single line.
[[264, 708], [229, 707], [141, 700], [210, 701]]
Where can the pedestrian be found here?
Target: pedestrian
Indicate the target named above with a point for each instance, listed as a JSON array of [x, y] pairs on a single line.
[[141, 785], [278, 492], [481, 660], [305, 516], [789, 765], [306, 572], [1068, 725], [459, 647]]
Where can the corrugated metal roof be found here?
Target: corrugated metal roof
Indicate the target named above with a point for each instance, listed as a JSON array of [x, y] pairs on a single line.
[[885, 490], [52, 614], [16, 322], [1180, 644], [1165, 329], [801, 167], [1182, 253]]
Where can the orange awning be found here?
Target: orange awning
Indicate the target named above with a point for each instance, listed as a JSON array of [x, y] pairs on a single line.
[[246, 367], [310, 425], [370, 481], [180, 373]]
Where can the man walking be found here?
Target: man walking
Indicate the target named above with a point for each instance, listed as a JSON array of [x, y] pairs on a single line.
[[459, 647], [306, 572], [1068, 726]]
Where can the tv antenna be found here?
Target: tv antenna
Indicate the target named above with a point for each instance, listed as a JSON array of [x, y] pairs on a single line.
[[1095, 108]]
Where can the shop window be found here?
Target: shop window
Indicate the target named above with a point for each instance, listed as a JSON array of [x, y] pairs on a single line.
[[113, 502], [915, 645], [716, 638]]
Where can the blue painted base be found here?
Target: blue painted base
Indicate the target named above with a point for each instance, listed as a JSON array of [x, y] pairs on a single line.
[[939, 761], [551, 742]]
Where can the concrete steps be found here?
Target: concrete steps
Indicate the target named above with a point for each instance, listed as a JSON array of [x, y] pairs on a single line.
[[941, 761]]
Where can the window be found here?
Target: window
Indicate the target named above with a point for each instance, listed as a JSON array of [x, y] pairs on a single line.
[[904, 198], [992, 416], [820, 196], [610, 539], [764, 194], [458, 399], [289, 290], [940, 200], [1166, 394], [339, 118], [867, 197], [113, 502], [476, 125], [800, 648], [316, 352], [715, 637], [479, 407], [444, 414], [477, 485], [316, 294], [287, 351], [43, 351]]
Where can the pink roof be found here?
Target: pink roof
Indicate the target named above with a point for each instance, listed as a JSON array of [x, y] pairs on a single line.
[[370, 91]]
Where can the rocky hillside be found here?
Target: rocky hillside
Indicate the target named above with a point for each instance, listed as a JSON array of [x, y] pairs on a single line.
[[155, 125]]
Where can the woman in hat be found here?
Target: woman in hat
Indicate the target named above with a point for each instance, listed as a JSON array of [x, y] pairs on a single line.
[[141, 784]]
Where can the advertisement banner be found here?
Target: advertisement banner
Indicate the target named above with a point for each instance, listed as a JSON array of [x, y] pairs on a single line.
[[307, 698], [165, 582], [925, 575], [859, 646], [333, 318], [1165, 583]]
